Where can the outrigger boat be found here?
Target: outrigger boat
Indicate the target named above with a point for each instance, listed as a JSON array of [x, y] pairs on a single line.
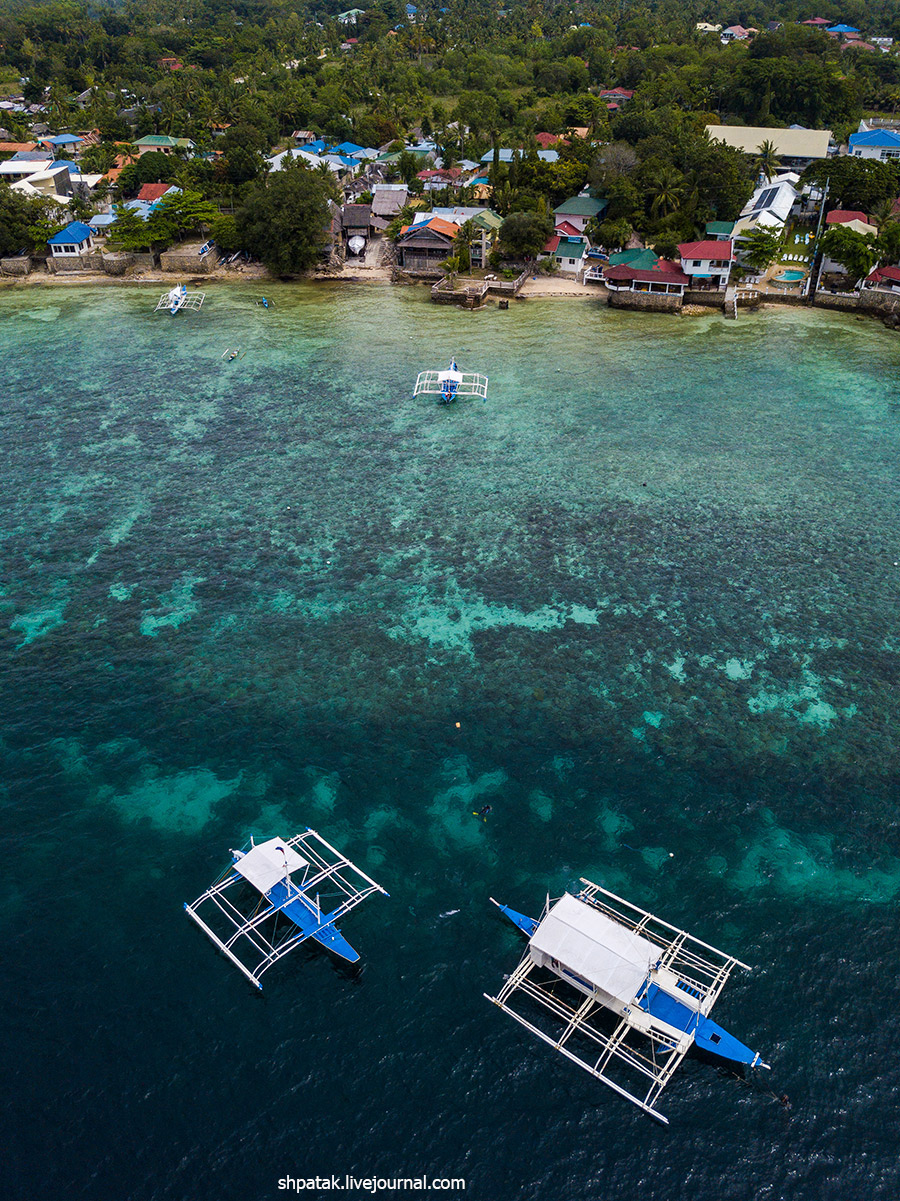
[[179, 298], [658, 980], [451, 384], [289, 876]]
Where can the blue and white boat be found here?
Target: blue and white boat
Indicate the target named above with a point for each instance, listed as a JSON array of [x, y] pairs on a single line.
[[449, 385], [291, 875], [179, 298], [659, 981]]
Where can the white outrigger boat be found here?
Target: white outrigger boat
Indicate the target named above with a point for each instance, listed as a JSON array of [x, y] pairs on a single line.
[[449, 385], [179, 298], [288, 875], [660, 982]]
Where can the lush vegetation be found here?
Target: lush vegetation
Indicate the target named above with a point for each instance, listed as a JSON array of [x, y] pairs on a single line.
[[472, 76]]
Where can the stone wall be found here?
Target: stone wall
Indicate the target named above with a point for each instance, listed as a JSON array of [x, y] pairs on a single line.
[[20, 265], [711, 300], [93, 261], [186, 263], [825, 301], [878, 303], [655, 302], [117, 264]]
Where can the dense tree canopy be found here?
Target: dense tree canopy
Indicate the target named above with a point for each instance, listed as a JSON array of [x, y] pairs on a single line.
[[283, 221]]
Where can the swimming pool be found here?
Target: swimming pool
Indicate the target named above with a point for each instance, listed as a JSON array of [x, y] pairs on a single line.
[[789, 277]]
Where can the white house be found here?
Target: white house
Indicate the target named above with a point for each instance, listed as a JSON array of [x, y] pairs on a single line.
[[707, 264], [74, 239], [769, 206], [569, 252], [879, 144]]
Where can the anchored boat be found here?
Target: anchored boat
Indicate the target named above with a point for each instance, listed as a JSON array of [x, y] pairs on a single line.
[[659, 981], [286, 881], [450, 384], [179, 298]]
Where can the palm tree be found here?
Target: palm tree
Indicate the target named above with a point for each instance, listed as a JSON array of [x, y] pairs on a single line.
[[883, 212], [767, 160], [666, 191]]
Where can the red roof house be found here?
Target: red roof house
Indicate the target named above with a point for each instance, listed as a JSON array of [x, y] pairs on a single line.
[[153, 191], [884, 277], [844, 216]]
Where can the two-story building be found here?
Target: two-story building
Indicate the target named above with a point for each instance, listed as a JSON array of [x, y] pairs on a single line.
[[707, 264]]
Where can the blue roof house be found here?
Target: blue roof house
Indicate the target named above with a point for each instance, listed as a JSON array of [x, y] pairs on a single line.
[[74, 239], [347, 148], [880, 144]]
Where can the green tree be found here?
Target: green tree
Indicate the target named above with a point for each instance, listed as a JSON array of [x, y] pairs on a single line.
[[766, 161], [855, 252], [128, 231], [224, 232], [855, 183], [19, 216], [666, 190], [760, 248], [888, 242], [524, 235], [611, 235], [284, 220]]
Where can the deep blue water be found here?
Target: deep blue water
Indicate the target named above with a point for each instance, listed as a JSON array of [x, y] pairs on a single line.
[[654, 580]]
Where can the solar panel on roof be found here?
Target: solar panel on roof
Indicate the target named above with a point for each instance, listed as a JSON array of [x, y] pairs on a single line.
[[765, 199]]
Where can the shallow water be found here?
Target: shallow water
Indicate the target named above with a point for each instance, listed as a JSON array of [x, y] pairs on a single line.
[[643, 602]]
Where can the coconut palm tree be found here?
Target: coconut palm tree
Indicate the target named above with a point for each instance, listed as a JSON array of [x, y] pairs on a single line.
[[767, 160], [666, 191]]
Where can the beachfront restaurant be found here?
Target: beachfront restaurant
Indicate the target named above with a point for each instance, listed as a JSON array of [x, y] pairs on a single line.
[[644, 271]]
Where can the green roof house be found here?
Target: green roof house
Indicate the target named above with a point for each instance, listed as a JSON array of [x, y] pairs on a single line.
[[162, 143], [720, 231], [577, 211]]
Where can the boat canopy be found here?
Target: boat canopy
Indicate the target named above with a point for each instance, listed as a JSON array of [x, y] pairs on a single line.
[[603, 952], [265, 865]]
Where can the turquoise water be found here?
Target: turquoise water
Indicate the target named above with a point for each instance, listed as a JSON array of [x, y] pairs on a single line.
[[643, 602], [791, 277]]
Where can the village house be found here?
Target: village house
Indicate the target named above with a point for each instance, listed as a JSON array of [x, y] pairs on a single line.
[[884, 279], [853, 219], [162, 143], [387, 201], [881, 144], [76, 238], [355, 221], [568, 252], [720, 231], [736, 33], [707, 264], [484, 226], [424, 246], [577, 211], [769, 206]]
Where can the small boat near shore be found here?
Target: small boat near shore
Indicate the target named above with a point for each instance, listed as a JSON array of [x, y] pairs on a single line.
[[178, 298], [268, 901], [451, 384], [592, 954]]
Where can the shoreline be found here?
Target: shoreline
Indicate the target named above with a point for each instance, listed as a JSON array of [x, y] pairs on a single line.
[[543, 288]]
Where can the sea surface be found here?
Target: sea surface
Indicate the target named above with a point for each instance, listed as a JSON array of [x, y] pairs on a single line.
[[643, 602]]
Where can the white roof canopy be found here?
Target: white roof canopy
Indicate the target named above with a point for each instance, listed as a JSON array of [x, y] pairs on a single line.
[[603, 952], [265, 865]]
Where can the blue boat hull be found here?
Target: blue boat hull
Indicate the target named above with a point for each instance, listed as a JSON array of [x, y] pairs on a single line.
[[527, 925], [708, 1035], [307, 918]]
